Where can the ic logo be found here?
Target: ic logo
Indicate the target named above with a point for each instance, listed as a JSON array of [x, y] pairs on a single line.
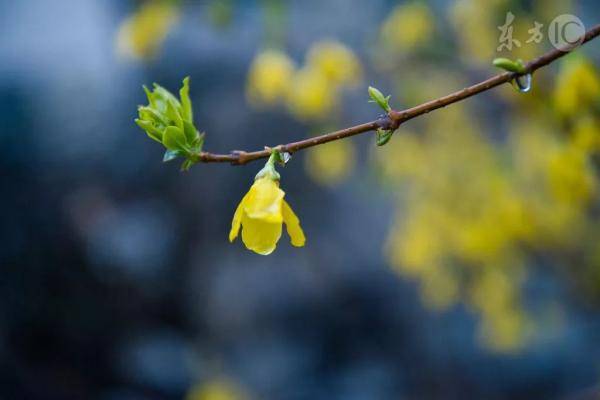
[[566, 32]]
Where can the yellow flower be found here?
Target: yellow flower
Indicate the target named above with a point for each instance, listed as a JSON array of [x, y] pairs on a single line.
[[330, 164], [577, 86], [218, 389], [269, 77], [408, 27], [312, 95], [142, 34], [261, 213], [335, 61]]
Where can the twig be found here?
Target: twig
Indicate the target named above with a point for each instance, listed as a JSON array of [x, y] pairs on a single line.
[[394, 117]]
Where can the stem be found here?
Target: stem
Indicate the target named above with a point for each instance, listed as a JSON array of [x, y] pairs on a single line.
[[394, 118]]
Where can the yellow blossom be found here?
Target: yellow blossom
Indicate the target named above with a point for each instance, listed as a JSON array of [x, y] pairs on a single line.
[[331, 163], [586, 135], [142, 34], [577, 86], [571, 177], [261, 213], [409, 26], [218, 389], [335, 61], [311, 95], [269, 78], [474, 24]]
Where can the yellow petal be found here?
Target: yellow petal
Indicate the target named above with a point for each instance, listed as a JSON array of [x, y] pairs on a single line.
[[264, 201], [292, 224], [237, 220], [259, 235]]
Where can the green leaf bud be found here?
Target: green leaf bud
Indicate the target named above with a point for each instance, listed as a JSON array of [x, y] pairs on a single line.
[[380, 99]]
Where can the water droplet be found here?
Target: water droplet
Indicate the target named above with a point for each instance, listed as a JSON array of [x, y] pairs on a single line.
[[522, 83], [286, 157]]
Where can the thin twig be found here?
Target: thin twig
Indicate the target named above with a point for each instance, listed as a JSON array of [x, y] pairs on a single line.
[[394, 117]]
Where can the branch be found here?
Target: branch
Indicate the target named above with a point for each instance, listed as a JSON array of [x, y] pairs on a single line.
[[394, 118]]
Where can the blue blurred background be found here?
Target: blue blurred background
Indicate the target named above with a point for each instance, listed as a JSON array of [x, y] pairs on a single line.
[[118, 281]]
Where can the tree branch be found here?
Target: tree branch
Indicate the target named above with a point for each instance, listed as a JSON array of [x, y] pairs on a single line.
[[394, 117]]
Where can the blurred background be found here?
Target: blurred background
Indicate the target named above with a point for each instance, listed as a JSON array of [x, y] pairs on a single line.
[[461, 260]]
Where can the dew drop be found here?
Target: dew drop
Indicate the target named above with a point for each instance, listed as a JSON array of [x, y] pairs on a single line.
[[522, 83], [285, 157]]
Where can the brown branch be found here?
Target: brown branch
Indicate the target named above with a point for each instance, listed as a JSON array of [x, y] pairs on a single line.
[[394, 117]]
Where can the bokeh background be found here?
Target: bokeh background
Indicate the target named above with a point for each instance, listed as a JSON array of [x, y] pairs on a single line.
[[461, 260]]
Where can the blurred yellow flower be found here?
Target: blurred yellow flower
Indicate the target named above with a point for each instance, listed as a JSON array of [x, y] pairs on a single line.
[[505, 332], [408, 27], [260, 215], [475, 25], [331, 163], [311, 95], [142, 34], [571, 177], [577, 86], [586, 134], [215, 390], [311, 92], [335, 61], [270, 77], [440, 289]]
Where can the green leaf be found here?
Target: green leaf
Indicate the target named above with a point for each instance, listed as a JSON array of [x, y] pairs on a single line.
[[509, 65], [171, 155], [186, 103], [169, 120], [380, 99], [383, 136], [150, 96], [148, 113], [165, 95], [190, 131], [174, 115], [150, 129], [174, 139]]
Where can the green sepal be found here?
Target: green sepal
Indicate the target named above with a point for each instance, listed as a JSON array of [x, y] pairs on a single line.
[[269, 171]]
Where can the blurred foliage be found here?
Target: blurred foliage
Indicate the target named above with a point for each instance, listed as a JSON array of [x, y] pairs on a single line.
[[476, 212], [478, 204]]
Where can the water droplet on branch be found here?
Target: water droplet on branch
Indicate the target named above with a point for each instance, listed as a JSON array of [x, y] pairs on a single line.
[[285, 157], [522, 83]]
